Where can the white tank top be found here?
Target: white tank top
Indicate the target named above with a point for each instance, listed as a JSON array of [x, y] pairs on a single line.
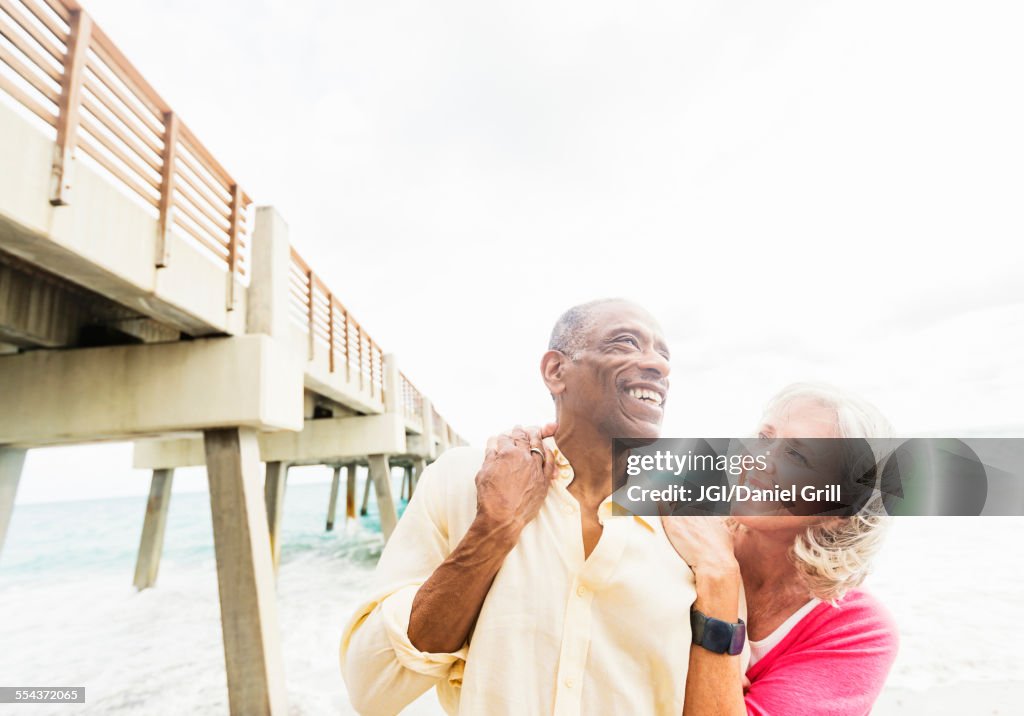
[[761, 647]]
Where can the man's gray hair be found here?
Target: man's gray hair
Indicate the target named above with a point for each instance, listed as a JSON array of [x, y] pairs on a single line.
[[569, 336]]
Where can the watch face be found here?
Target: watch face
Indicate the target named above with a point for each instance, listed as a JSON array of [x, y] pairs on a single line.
[[717, 636]]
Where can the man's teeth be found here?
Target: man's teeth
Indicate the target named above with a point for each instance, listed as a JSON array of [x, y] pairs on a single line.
[[648, 395]]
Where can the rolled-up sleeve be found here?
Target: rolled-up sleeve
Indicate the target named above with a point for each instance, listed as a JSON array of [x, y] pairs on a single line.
[[383, 670]]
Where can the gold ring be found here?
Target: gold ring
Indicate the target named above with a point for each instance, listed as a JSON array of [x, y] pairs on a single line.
[[538, 451]]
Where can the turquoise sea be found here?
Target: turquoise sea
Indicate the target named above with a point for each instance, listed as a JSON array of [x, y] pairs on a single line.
[[69, 615]]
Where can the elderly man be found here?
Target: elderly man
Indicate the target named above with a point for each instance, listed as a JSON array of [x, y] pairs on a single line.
[[507, 585]]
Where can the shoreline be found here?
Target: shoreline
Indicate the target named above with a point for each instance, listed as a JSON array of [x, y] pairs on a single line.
[[981, 698]]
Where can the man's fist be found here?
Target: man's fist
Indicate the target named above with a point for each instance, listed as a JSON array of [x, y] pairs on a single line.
[[514, 479]]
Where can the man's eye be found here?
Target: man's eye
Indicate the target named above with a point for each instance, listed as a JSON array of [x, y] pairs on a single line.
[[630, 340]]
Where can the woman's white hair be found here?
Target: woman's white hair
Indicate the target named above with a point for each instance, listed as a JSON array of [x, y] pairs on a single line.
[[835, 556]]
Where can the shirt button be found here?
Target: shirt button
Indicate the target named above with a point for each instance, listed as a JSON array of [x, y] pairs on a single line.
[[568, 683], [580, 591], [569, 509]]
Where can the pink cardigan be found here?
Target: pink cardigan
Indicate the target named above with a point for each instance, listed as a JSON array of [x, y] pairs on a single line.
[[833, 662]]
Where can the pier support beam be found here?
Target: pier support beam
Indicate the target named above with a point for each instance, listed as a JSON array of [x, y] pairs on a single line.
[[332, 504], [380, 473], [11, 463], [350, 493], [366, 496], [273, 493], [418, 465], [151, 546], [406, 482], [245, 574]]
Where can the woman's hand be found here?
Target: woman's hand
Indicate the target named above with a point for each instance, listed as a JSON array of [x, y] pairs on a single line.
[[704, 543]]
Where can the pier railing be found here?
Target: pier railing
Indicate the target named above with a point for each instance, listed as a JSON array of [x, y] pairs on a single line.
[[57, 64], [61, 66], [329, 324]]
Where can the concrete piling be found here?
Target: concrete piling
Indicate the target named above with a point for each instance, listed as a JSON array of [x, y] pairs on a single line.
[[332, 503], [151, 545], [273, 492], [245, 573], [12, 461]]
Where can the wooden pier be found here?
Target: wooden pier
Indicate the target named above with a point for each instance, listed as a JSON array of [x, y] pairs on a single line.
[[144, 297]]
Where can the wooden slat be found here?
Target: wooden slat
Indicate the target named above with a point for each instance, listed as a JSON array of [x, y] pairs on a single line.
[[124, 157], [26, 73], [359, 337], [52, 25], [130, 120], [187, 211], [133, 117], [33, 31], [216, 248], [202, 154], [68, 106], [167, 174], [298, 260], [202, 201], [197, 191], [192, 165], [93, 151], [208, 218], [28, 102], [118, 132], [330, 336], [236, 208], [29, 50], [125, 71], [60, 9]]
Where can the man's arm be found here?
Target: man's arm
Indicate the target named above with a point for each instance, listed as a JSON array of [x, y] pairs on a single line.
[[511, 487], [385, 668]]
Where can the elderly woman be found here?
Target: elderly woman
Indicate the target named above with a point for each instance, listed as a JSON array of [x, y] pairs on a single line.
[[818, 643]]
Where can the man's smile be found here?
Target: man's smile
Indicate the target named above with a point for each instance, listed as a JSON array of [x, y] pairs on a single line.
[[647, 396]]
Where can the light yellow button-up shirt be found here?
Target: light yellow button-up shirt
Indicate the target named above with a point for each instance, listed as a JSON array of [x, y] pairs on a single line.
[[557, 633]]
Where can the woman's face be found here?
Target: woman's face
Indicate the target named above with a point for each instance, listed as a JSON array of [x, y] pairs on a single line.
[[793, 458]]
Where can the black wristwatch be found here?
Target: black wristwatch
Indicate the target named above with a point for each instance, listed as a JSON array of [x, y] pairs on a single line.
[[716, 635]]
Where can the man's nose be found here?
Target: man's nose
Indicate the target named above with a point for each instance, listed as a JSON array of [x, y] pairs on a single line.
[[654, 361]]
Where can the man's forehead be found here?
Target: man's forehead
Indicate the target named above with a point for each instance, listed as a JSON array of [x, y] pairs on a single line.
[[623, 314]]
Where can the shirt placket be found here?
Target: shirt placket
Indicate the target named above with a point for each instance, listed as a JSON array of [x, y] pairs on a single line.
[[572, 657]]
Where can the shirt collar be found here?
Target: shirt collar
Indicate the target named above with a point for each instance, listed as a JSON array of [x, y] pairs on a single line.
[[565, 475]]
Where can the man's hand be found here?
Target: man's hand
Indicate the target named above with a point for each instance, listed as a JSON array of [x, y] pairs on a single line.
[[511, 487], [513, 481]]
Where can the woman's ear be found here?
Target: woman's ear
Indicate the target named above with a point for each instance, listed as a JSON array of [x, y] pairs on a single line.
[[552, 369]]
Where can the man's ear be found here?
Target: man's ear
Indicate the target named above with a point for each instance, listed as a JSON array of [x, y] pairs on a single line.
[[552, 369]]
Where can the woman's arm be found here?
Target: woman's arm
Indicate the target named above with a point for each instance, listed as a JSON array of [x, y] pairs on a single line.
[[714, 684]]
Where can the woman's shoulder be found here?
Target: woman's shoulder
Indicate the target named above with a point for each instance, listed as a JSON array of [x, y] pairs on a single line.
[[862, 606], [857, 618]]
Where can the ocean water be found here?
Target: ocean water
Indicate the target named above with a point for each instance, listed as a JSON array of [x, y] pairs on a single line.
[[69, 615]]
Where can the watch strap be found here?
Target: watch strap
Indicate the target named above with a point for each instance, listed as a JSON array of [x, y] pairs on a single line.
[[718, 636]]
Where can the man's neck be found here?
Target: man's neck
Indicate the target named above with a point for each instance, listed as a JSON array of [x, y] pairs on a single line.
[[590, 456]]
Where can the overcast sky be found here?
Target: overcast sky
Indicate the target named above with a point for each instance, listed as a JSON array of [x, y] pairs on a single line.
[[798, 190]]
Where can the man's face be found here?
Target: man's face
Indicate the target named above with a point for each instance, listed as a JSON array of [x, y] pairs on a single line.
[[619, 382]]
